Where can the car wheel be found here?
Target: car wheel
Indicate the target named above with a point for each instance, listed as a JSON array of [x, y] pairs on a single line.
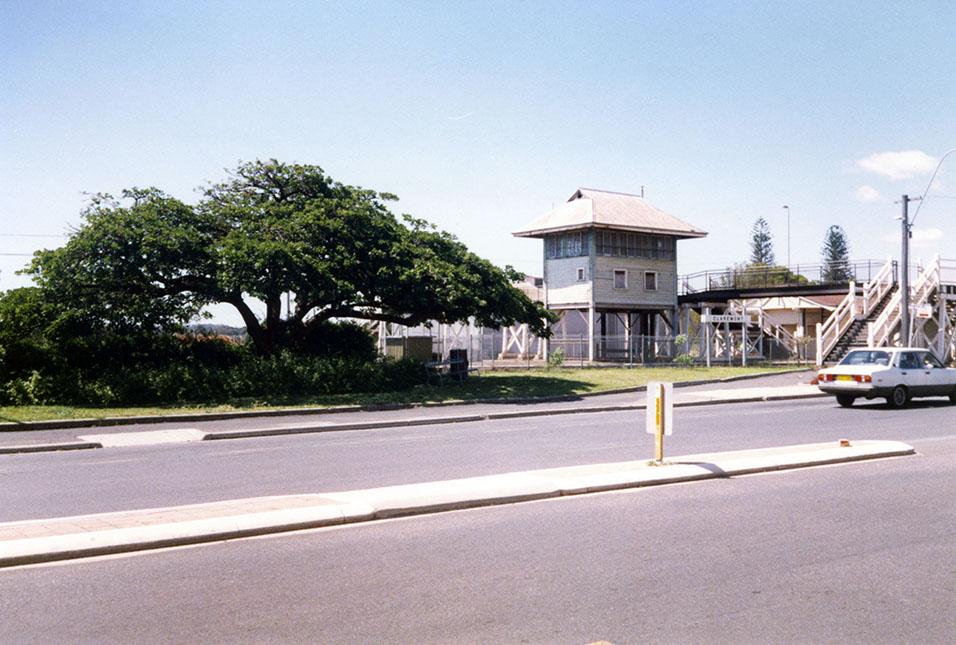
[[899, 397], [952, 396], [845, 400]]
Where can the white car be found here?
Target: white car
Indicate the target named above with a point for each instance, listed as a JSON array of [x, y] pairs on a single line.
[[894, 373]]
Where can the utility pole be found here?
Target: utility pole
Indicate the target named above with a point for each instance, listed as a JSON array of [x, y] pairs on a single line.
[[905, 272]]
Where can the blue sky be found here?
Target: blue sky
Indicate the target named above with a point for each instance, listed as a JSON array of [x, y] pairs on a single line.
[[482, 115]]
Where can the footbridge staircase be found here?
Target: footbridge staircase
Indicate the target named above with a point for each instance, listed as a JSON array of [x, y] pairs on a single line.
[[873, 317]]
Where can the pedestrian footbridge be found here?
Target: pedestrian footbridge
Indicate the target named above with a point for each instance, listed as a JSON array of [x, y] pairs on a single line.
[[857, 323], [782, 313]]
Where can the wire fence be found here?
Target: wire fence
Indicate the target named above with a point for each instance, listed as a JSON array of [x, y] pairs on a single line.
[[488, 348]]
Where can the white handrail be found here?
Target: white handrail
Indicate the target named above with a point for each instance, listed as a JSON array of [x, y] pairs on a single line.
[[885, 322], [947, 275], [919, 294], [850, 309], [927, 282], [877, 288], [838, 322], [785, 338], [924, 286], [768, 328]]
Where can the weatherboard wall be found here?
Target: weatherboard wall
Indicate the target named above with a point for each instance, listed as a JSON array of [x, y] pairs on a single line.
[[561, 279], [634, 295]]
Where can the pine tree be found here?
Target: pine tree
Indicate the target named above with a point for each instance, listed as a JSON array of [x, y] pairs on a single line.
[[836, 256], [761, 243]]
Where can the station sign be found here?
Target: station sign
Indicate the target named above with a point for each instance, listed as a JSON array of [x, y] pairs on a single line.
[[736, 319]]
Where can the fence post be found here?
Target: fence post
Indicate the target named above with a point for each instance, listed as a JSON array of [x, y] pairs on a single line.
[[745, 332], [941, 318], [728, 344]]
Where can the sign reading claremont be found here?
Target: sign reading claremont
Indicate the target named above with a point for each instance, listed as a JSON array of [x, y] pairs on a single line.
[[723, 318]]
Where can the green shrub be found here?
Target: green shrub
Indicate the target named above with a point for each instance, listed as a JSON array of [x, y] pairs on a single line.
[[684, 360], [556, 358]]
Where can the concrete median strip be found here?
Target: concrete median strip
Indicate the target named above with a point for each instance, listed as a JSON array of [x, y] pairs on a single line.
[[48, 540]]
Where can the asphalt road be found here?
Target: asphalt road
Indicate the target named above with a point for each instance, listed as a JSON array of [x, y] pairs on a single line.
[[853, 553], [71, 483]]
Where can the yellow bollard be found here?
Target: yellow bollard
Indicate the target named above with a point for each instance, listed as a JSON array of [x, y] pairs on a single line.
[[660, 415], [659, 426]]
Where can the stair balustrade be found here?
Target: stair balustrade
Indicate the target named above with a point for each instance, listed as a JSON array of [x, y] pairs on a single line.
[[881, 330], [853, 308]]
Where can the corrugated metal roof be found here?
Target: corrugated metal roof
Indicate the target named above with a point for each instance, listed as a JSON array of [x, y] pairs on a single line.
[[589, 208]]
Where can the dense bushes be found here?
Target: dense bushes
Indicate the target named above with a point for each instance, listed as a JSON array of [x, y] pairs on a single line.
[[280, 376], [341, 340], [48, 358]]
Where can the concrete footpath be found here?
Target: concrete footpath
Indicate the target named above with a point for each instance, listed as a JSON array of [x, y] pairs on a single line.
[[22, 438], [48, 540]]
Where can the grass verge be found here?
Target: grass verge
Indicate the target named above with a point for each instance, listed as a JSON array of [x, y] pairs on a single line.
[[503, 385]]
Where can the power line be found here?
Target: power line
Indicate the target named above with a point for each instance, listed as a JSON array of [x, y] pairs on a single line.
[[922, 198]]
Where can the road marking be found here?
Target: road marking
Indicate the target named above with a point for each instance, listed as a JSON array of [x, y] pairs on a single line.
[[107, 462], [248, 451], [385, 440], [542, 432]]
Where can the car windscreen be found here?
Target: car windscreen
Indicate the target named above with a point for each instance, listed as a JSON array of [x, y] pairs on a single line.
[[866, 357], [928, 360]]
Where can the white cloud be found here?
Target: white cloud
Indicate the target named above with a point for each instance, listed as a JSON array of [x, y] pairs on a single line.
[[867, 194], [925, 235], [904, 164], [921, 237]]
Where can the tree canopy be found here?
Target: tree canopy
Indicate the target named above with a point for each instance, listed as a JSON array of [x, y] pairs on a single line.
[[150, 261], [761, 243], [835, 256]]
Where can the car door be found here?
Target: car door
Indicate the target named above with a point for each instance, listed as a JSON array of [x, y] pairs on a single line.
[[912, 374], [939, 380]]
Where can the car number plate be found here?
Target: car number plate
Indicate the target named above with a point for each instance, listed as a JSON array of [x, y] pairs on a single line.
[[844, 377]]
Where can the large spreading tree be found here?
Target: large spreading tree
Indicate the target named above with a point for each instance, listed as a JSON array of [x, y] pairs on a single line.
[[148, 261]]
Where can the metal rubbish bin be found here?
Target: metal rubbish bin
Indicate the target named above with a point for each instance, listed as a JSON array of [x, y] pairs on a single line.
[[458, 363]]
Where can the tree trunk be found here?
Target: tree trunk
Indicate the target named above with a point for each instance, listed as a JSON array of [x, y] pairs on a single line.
[[262, 341]]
